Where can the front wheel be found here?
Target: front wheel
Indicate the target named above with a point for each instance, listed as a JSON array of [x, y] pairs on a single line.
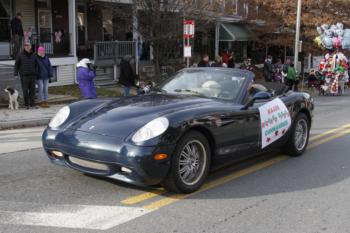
[[190, 164], [299, 136]]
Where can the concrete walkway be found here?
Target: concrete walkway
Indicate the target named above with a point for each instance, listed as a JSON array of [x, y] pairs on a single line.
[[26, 118]]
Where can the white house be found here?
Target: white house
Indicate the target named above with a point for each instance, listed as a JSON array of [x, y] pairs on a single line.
[[52, 25]]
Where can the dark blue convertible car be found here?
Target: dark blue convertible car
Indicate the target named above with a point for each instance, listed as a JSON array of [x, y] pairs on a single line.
[[199, 119]]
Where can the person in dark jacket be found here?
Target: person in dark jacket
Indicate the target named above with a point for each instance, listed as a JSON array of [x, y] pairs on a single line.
[[205, 61], [268, 69], [218, 62], [27, 67], [44, 74], [231, 61], [127, 75], [17, 34], [85, 76]]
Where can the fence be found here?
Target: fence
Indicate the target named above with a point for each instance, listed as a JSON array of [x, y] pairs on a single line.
[[53, 46], [113, 50]]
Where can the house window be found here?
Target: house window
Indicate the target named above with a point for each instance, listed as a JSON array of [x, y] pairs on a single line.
[[5, 8], [44, 4]]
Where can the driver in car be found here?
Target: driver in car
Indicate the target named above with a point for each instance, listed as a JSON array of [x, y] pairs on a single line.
[[254, 88]]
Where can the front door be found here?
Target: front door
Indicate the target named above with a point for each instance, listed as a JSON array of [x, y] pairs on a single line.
[[5, 35], [45, 30], [81, 25]]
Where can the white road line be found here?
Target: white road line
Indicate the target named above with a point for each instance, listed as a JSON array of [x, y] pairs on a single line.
[[74, 216], [9, 147], [20, 139], [34, 134], [25, 130]]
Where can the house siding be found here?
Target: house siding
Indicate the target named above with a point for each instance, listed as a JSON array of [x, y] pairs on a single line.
[[65, 75]]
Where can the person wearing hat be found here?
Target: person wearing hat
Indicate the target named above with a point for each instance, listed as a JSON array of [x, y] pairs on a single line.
[[85, 76], [17, 34], [27, 67], [44, 74]]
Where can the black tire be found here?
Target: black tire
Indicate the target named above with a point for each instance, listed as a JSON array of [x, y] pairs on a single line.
[[291, 148], [175, 181]]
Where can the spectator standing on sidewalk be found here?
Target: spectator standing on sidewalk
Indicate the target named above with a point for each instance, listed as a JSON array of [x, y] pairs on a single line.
[[268, 69], [225, 56], [285, 70], [218, 62], [44, 75], [17, 34], [247, 65], [127, 75], [205, 61], [85, 76], [27, 67], [292, 77], [231, 60]]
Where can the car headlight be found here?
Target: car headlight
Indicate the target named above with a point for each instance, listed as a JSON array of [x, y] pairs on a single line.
[[60, 117], [152, 129]]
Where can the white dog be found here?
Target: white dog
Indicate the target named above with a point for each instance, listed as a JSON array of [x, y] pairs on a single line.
[[13, 98]]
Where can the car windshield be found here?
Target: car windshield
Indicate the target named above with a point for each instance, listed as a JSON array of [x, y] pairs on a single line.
[[209, 83]]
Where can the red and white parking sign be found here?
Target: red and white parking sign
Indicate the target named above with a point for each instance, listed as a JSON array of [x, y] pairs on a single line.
[[188, 28]]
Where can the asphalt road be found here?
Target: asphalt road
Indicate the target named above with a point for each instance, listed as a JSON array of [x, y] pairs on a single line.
[[273, 193]]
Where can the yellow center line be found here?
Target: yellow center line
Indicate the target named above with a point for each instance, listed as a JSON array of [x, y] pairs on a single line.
[[249, 170], [142, 197], [165, 201], [321, 135], [330, 138], [173, 198]]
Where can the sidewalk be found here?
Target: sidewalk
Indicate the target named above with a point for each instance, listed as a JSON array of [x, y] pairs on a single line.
[[34, 117], [26, 118]]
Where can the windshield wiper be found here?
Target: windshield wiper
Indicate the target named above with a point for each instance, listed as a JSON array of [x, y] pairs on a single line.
[[189, 91]]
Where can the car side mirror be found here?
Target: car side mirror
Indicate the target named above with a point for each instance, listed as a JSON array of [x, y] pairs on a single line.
[[261, 95]]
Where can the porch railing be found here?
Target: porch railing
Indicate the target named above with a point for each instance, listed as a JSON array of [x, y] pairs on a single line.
[[111, 51], [52, 47]]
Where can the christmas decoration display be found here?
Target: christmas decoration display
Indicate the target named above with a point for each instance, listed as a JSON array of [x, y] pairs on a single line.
[[333, 37], [334, 69], [334, 66]]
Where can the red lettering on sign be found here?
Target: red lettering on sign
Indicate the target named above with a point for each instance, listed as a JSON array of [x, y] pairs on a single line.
[[273, 109]]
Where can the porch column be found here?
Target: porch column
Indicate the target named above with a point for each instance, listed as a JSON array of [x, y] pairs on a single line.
[[72, 27], [136, 36]]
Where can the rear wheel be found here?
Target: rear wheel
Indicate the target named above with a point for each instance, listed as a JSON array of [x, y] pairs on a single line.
[[190, 164], [299, 136]]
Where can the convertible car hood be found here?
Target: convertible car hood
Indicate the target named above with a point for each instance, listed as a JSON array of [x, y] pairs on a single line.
[[122, 117]]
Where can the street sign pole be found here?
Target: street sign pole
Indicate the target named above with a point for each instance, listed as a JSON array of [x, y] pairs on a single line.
[[188, 59], [188, 34], [297, 35]]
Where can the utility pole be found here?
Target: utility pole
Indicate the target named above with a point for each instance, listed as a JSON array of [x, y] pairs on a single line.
[[297, 35]]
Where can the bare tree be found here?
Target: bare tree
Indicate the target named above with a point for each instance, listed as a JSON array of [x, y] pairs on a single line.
[[161, 23], [274, 20]]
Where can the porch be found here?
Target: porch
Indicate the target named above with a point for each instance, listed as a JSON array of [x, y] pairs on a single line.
[[45, 23]]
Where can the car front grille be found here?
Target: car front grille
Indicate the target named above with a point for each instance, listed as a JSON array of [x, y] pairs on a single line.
[[88, 164]]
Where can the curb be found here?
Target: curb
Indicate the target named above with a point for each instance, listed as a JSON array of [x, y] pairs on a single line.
[[67, 100], [24, 124]]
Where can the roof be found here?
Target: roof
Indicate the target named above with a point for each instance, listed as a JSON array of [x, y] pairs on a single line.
[[234, 32]]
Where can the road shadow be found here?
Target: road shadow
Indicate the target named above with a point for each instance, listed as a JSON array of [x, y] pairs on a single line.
[[321, 166]]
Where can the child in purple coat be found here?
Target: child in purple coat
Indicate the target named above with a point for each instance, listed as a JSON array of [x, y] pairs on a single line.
[[85, 77]]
